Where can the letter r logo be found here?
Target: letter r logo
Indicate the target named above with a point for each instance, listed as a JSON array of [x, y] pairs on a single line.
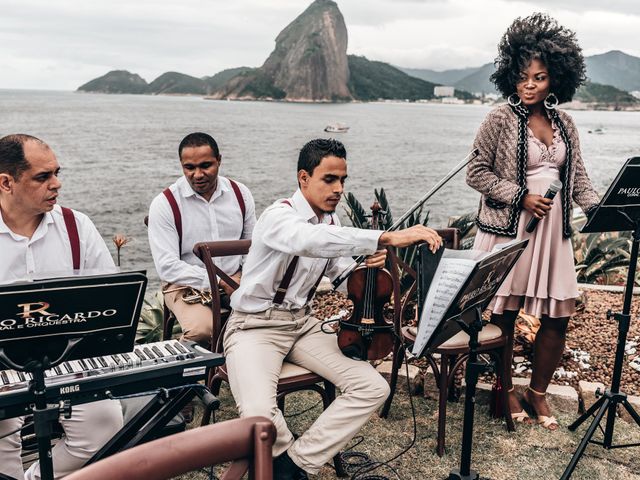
[[28, 309]]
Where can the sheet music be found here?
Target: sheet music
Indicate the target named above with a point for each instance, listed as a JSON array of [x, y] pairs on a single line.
[[449, 277]]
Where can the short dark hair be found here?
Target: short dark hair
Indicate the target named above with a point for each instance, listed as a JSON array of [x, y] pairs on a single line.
[[198, 139], [12, 159], [314, 151], [540, 37]]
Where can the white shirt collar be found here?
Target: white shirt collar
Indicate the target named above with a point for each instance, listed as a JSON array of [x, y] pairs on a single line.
[[301, 205], [41, 229], [185, 189]]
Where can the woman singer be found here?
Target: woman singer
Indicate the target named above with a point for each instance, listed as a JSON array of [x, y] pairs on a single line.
[[523, 147]]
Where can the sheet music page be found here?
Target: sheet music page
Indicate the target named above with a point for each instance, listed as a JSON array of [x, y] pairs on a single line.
[[449, 277]]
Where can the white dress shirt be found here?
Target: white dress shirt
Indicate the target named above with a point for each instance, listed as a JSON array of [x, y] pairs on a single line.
[[48, 252], [284, 231], [220, 218]]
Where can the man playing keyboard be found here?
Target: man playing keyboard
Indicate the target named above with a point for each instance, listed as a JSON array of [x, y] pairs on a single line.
[[36, 239]]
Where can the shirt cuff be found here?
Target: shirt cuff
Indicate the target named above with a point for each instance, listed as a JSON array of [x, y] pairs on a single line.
[[370, 240]]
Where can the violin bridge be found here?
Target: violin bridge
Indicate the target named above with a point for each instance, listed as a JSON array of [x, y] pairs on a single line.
[[368, 321]]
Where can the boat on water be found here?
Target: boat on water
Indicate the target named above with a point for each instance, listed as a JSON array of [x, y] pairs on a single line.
[[336, 128], [598, 131]]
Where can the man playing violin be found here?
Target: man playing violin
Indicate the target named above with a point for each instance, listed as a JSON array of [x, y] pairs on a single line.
[[295, 242]]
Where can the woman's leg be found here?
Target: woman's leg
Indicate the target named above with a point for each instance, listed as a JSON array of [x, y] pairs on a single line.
[[507, 321], [547, 353]]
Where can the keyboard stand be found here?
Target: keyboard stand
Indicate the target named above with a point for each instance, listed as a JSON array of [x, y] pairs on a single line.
[[44, 414], [147, 424]]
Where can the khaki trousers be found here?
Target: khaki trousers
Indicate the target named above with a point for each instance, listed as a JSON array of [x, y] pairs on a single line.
[[91, 426], [255, 346], [194, 319]]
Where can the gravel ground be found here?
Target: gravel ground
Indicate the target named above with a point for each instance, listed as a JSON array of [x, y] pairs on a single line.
[[591, 332]]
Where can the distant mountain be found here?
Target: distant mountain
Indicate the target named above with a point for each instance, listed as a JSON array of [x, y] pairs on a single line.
[[116, 81], [177, 83], [478, 81], [371, 80], [598, 93], [446, 77], [216, 81], [309, 62], [615, 68]]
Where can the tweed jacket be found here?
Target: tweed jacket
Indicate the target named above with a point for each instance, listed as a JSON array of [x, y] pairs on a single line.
[[501, 179]]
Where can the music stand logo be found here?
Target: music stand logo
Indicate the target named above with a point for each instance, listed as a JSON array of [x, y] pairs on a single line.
[[29, 309]]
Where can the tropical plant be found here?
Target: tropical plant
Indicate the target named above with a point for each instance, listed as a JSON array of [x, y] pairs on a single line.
[[120, 240], [152, 320], [361, 219], [602, 257]]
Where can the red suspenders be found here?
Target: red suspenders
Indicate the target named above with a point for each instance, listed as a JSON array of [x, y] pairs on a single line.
[[281, 291], [177, 216], [74, 238]]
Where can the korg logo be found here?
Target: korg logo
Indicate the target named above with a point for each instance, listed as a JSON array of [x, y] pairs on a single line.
[[69, 389]]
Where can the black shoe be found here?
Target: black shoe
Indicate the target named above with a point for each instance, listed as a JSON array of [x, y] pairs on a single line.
[[285, 469]]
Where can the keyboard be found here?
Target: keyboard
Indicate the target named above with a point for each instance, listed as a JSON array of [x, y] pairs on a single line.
[[150, 366]]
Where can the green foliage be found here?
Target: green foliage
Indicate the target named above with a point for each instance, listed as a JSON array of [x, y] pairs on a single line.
[[361, 219], [370, 81], [597, 92], [602, 258], [152, 319], [261, 86]]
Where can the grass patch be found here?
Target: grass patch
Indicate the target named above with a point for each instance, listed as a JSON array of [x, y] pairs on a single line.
[[529, 453]]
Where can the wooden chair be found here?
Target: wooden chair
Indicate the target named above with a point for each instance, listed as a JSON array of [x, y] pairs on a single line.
[[453, 353], [169, 318], [293, 378], [246, 442]]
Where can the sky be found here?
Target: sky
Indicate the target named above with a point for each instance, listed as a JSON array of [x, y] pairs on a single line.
[[61, 44]]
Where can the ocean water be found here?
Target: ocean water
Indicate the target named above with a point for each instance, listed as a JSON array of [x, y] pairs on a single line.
[[119, 151]]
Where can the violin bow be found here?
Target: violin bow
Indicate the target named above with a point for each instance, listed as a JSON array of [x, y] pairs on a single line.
[[463, 163]]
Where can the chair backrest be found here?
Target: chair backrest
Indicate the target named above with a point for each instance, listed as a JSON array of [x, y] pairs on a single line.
[[451, 240], [247, 442], [206, 252]]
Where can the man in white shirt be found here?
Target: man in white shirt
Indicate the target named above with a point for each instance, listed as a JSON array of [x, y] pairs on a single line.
[[201, 206], [36, 243], [272, 318]]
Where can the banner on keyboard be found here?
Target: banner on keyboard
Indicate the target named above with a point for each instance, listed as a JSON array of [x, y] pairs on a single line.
[[63, 307]]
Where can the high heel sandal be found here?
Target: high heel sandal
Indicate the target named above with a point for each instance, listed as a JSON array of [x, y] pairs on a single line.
[[519, 417], [550, 423]]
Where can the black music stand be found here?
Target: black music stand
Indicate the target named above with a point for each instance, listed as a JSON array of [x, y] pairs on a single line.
[[464, 312], [47, 322], [619, 210]]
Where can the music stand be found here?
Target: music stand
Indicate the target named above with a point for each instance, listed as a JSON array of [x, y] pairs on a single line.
[[47, 322], [619, 210], [464, 312]]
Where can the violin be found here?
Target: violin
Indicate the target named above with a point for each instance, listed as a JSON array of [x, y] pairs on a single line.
[[366, 335]]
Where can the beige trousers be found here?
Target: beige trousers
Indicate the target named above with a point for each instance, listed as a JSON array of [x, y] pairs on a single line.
[[255, 346], [195, 319], [91, 426]]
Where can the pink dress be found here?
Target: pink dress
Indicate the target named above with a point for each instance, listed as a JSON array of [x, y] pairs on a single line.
[[543, 282]]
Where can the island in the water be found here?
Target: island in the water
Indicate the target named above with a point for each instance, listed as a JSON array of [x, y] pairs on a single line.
[[310, 64]]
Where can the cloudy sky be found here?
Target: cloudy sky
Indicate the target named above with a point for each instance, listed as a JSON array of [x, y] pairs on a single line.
[[60, 44]]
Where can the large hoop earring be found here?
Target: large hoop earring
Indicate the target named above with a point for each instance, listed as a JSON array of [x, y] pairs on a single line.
[[551, 102], [511, 101]]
